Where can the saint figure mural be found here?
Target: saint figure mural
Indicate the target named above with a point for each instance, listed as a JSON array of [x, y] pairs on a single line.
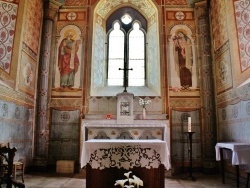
[[183, 57], [68, 61]]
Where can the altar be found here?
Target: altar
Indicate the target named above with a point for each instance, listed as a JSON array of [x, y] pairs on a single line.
[[109, 150], [125, 149]]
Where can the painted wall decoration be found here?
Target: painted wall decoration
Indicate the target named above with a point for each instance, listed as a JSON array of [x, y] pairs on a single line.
[[27, 74], [179, 140], [8, 14], [146, 6], [68, 60], [33, 25], [64, 136], [218, 23], [176, 2], [234, 122], [223, 71], [73, 2], [16, 128], [182, 59], [242, 11]]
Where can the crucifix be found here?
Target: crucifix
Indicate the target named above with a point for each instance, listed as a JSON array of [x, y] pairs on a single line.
[[125, 75]]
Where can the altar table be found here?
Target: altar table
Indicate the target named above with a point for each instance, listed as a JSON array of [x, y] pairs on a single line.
[[108, 159], [109, 150], [239, 152], [106, 153]]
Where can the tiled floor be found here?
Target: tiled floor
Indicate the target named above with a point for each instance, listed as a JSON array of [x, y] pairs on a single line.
[[53, 180]]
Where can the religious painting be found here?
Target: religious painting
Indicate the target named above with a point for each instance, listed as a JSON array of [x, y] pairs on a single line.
[[182, 60], [27, 74], [68, 62], [223, 71]]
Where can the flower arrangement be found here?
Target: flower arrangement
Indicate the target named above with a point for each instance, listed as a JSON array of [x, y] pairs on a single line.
[[133, 182], [143, 102]]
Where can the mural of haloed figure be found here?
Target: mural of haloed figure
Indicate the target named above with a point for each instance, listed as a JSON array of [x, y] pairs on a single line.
[[183, 71], [67, 74]]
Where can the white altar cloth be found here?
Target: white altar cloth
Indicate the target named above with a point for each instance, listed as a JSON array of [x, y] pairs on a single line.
[[240, 152], [106, 153], [156, 124]]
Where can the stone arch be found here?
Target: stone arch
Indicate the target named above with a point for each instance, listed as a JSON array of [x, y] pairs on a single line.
[[100, 14]]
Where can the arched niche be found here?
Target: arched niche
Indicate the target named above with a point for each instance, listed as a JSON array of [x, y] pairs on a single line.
[[101, 13]]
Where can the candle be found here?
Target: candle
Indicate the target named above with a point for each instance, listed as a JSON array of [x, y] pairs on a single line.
[[189, 124]]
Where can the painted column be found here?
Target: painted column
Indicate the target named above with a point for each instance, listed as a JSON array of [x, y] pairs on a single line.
[[51, 8], [207, 86]]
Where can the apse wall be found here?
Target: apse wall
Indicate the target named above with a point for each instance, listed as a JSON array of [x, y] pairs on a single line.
[[230, 54]]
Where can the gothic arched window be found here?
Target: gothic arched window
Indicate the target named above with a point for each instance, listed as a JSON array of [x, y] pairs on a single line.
[[126, 48], [126, 38]]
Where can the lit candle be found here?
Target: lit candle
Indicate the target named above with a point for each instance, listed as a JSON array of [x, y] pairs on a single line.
[[189, 124]]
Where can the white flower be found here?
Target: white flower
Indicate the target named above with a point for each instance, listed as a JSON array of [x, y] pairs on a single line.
[[127, 174], [143, 102], [120, 182], [137, 181]]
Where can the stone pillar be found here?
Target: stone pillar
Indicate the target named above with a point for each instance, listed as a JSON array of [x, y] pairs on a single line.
[[51, 8], [207, 86]]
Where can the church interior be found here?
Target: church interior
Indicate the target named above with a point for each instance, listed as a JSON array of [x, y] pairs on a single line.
[[168, 80]]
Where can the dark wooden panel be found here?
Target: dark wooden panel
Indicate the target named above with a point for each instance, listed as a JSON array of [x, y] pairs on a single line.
[[152, 178]]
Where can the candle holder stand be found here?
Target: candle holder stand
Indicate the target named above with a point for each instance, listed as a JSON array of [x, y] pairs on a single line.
[[190, 176]]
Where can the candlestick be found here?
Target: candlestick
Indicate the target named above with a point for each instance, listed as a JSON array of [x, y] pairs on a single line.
[[189, 124]]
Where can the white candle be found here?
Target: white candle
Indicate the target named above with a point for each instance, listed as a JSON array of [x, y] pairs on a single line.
[[189, 124]]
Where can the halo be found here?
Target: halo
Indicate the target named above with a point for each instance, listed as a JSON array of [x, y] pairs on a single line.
[[70, 31], [181, 30]]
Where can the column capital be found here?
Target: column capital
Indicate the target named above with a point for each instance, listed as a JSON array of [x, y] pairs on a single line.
[[51, 7]]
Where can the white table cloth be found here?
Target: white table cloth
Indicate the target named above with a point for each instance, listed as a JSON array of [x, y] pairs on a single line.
[[240, 152], [106, 153]]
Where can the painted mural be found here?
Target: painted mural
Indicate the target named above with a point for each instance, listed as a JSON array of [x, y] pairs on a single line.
[[67, 68], [27, 74], [64, 137], [74, 2], [242, 11], [234, 122], [218, 23], [182, 59], [8, 16], [33, 25], [223, 71], [16, 128], [180, 138], [176, 2]]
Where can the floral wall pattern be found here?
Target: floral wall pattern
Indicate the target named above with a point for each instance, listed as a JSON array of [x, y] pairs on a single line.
[[8, 14], [242, 11]]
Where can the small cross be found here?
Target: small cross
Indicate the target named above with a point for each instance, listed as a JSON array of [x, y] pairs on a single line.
[[71, 16], [125, 75]]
